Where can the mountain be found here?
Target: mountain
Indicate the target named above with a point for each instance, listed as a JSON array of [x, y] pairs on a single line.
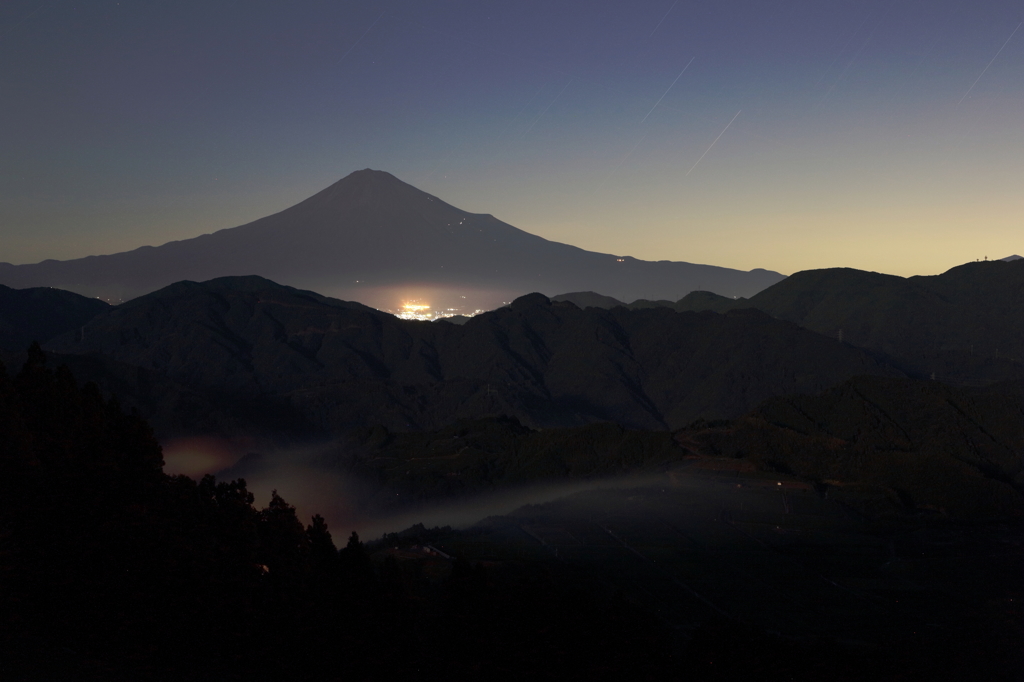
[[341, 365], [888, 445], [588, 299], [40, 313], [695, 301], [373, 238], [961, 326]]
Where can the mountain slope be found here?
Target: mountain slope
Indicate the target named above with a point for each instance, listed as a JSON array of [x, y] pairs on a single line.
[[890, 445], [588, 299], [962, 326], [39, 314], [373, 238], [549, 364]]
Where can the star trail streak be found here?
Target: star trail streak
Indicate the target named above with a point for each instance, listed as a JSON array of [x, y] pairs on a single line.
[[713, 143]]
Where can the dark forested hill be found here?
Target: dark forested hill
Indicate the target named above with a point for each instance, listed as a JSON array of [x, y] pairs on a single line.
[[549, 364], [39, 314], [889, 444], [589, 299], [962, 326]]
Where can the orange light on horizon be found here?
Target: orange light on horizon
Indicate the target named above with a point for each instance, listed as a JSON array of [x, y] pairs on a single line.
[[417, 308], [414, 310]]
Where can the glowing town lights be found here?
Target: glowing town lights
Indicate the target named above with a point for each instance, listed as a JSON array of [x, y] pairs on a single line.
[[414, 310]]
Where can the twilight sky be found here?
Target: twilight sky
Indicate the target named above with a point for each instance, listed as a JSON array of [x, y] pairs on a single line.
[[788, 135]]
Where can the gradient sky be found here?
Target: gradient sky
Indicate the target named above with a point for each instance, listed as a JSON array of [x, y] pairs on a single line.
[[884, 136]]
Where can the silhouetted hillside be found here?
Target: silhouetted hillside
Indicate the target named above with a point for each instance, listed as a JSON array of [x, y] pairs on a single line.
[[39, 314], [698, 301], [588, 299], [961, 326], [695, 301], [372, 238], [485, 455], [889, 445], [548, 364]]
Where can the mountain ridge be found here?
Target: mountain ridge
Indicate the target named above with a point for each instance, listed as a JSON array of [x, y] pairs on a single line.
[[372, 238], [546, 363], [40, 313], [954, 326]]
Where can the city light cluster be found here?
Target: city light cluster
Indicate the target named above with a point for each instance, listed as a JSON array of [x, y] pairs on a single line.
[[424, 313]]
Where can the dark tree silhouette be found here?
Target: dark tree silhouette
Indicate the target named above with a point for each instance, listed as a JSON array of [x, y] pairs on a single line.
[[323, 555], [110, 569]]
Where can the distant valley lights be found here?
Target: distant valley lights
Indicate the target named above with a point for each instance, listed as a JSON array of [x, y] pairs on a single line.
[[414, 310]]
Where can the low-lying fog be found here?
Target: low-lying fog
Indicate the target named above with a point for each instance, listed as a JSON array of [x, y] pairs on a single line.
[[687, 545], [349, 503]]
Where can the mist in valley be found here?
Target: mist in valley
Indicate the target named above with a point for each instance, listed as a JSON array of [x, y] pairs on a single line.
[[350, 502], [687, 543]]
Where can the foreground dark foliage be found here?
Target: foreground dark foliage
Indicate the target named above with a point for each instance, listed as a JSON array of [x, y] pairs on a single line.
[[112, 570]]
